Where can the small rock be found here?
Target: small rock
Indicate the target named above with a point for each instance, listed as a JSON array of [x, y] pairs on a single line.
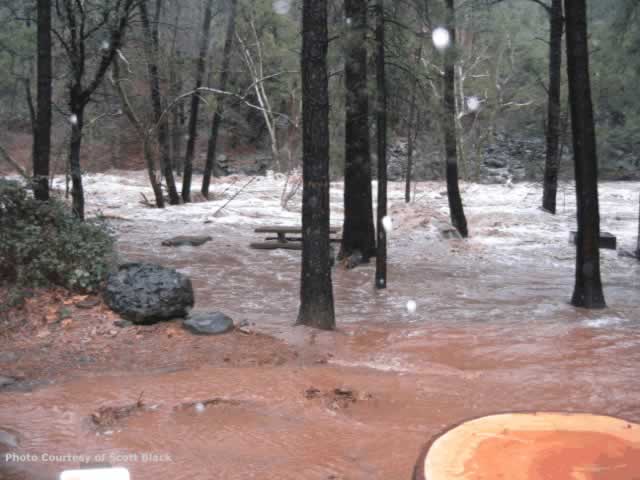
[[64, 314], [214, 323], [172, 332], [43, 334], [88, 304], [7, 381], [186, 241], [67, 323], [123, 323], [8, 439], [8, 357]]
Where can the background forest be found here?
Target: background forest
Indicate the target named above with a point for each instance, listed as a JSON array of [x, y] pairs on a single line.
[[501, 83]]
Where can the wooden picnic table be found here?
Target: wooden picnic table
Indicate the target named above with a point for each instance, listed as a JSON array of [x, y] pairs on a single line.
[[283, 240]]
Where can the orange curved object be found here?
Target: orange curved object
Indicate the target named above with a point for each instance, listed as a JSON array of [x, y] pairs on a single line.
[[534, 446]]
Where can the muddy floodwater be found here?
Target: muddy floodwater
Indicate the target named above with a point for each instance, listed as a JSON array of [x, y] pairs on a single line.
[[492, 332]]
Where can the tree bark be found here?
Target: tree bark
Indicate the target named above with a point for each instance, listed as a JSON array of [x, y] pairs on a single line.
[[75, 146], [411, 130], [79, 95], [195, 103], [211, 166], [316, 291], [162, 125], [142, 133], [552, 162], [42, 133], [381, 130], [456, 208], [588, 284], [358, 233]]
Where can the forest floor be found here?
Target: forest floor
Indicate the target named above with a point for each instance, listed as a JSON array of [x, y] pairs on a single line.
[[492, 332]]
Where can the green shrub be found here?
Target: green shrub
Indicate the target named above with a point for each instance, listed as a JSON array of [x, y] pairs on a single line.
[[43, 244]]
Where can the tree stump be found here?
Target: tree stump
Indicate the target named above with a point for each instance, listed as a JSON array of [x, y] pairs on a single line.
[[535, 446]]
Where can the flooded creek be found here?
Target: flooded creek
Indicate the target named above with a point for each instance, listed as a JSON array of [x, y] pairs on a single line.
[[492, 332]]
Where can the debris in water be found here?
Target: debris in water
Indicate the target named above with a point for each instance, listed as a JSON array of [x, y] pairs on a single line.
[[109, 416], [411, 307]]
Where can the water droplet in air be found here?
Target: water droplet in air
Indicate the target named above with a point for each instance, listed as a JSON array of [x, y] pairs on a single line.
[[411, 307], [281, 7], [387, 224], [200, 407], [73, 119], [441, 38], [473, 103]]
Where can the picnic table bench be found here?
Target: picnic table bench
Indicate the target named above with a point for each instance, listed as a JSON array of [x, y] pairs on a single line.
[[283, 240], [608, 241]]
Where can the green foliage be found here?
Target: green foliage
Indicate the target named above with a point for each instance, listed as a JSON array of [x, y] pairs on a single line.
[[43, 244]]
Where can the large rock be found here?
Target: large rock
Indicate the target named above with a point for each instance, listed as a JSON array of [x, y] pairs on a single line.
[[214, 323], [147, 293]]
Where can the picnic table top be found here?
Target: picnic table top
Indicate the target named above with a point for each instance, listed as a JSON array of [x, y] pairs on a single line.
[[287, 229]]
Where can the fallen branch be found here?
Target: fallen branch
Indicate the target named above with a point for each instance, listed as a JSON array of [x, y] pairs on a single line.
[[234, 196], [14, 164]]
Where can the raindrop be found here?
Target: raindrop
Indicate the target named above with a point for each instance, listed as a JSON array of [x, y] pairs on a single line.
[[411, 307], [281, 7], [348, 21], [199, 407], [105, 45], [73, 119], [387, 224], [473, 103], [441, 38]]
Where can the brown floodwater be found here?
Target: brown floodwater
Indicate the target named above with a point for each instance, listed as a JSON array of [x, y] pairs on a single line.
[[492, 332]]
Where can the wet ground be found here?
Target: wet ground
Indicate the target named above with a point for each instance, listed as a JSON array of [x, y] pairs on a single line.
[[492, 332]]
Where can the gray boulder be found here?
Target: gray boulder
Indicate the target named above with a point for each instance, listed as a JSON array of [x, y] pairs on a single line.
[[147, 293], [214, 323]]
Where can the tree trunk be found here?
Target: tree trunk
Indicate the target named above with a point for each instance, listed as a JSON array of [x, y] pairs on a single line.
[[316, 291], [450, 144], [42, 134], [381, 130], [211, 166], [178, 118], [412, 128], [358, 233], [77, 192], [588, 287], [142, 133], [195, 103], [552, 162], [497, 447], [162, 125]]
